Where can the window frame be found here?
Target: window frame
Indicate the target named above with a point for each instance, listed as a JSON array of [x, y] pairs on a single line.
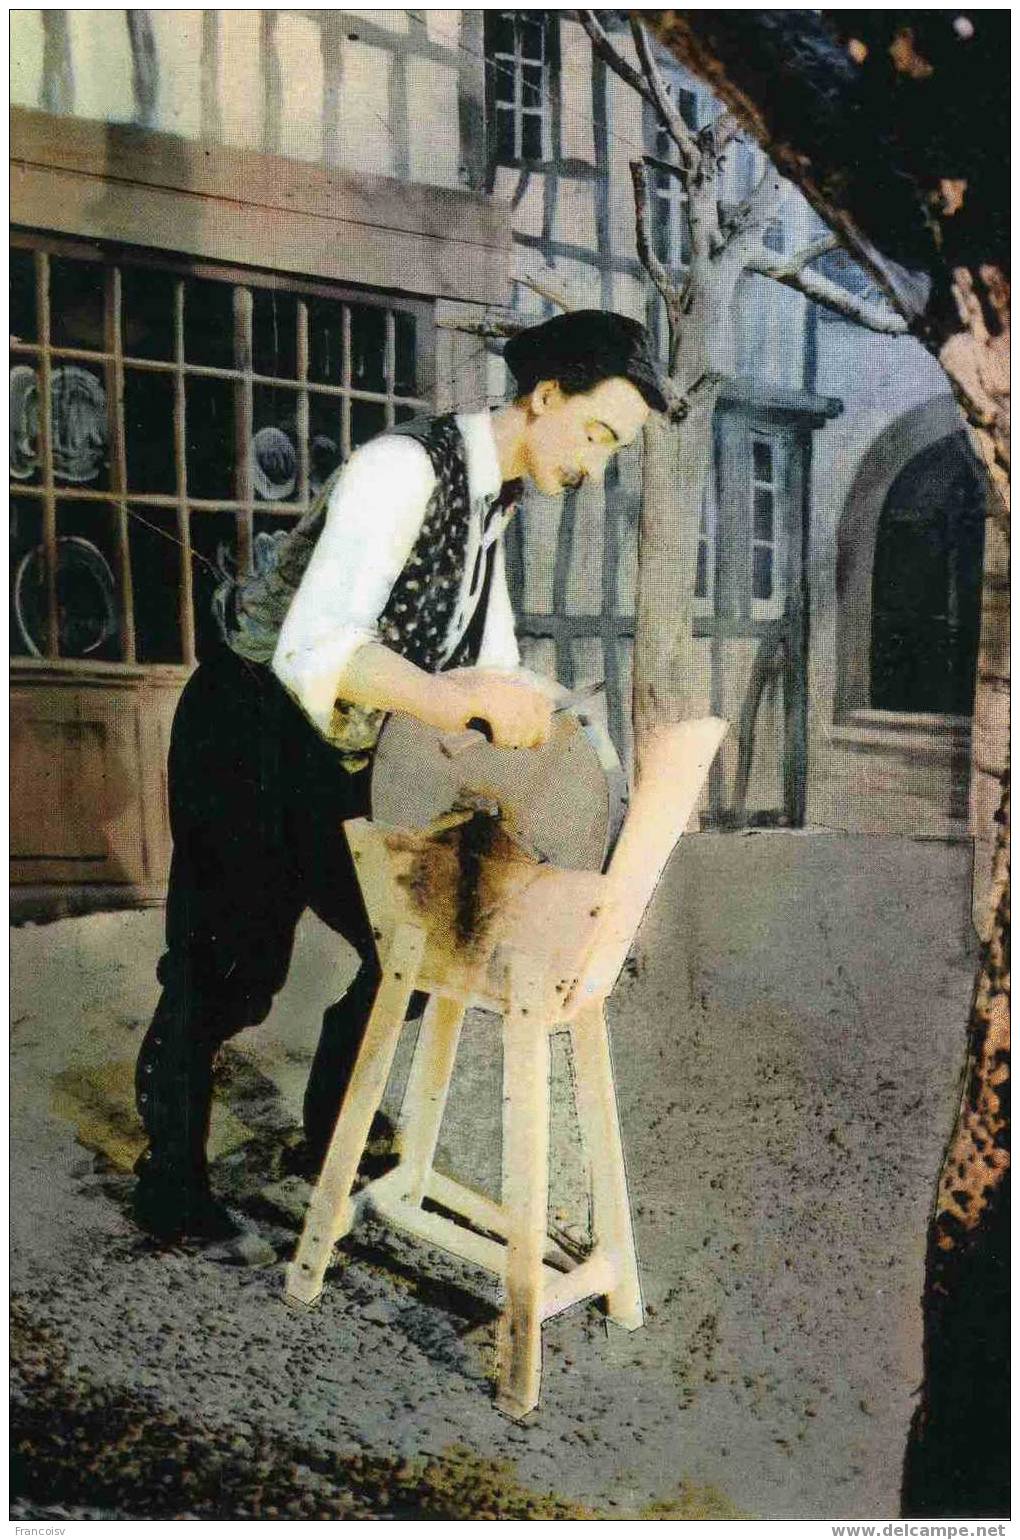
[[111, 361], [708, 540], [500, 64], [771, 607], [667, 191]]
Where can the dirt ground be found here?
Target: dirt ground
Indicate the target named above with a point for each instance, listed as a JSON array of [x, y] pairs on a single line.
[[787, 1053]]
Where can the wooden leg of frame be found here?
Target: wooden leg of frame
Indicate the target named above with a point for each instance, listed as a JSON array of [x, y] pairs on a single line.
[[427, 1087], [330, 1211], [525, 1194], [600, 1130]]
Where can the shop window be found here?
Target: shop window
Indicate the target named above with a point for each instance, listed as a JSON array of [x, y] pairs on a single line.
[[162, 419], [520, 48]]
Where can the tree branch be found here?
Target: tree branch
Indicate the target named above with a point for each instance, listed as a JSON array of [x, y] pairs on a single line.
[[811, 253], [675, 126], [653, 266], [703, 212], [832, 295], [491, 331], [740, 232], [611, 56], [670, 167], [767, 199], [544, 291]]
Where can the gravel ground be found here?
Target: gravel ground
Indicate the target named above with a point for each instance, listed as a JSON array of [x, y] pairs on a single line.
[[787, 1053]]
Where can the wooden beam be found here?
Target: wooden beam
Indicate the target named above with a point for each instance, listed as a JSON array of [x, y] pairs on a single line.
[[117, 182]]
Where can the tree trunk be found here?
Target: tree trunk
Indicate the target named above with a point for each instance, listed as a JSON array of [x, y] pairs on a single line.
[[677, 462], [957, 1461], [676, 465], [976, 360]]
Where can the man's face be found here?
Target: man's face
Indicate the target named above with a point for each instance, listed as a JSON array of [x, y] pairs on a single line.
[[569, 439]]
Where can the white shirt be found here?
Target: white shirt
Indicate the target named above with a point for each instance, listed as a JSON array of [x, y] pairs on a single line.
[[375, 512]]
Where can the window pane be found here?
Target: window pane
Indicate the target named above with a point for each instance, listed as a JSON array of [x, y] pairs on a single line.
[[156, 584], [28, 618], [763, 514], [701, 576], [79, 426], [368, 348], [407, 413], [324, 450], [24, 422], [274, 334], [209, 324], [762, 452], [367, 419], [147, 311], [149, 431], [532, 36], [325, 341], [687, 102], [531, 85], [660, 228], [499, 32], [531, 136], [506, 148], [681, 235], [273, 523], [499, 82], [274, 445], [406, 378], [23, 316], [761, 574], [210, 438], [76, 304], [88, 597], [214, 542]]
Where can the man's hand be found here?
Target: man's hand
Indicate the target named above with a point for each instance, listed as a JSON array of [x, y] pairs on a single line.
[[518, 712]]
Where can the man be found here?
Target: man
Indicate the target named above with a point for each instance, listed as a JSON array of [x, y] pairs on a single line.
[[390, 595]]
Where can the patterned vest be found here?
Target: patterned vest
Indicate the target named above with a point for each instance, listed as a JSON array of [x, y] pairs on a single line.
[[415, 620]]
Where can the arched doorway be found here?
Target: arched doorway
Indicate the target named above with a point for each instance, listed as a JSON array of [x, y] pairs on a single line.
[[926, 584]]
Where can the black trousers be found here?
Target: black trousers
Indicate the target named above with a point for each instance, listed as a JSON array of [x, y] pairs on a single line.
[[257, 799]]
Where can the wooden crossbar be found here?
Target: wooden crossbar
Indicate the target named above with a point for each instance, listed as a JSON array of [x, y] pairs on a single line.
[[562, 1286]]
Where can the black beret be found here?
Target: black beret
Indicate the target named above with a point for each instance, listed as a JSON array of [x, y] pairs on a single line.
[[611, 345]]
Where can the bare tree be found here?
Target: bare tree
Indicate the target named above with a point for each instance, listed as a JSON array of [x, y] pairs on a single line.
[[725, 243]]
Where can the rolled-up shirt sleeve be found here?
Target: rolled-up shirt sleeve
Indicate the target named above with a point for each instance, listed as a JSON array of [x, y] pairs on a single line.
[[374, 515], [499, 647]]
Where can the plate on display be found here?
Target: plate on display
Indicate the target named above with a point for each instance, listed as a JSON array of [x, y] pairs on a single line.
[[24, 422], [86, 598], [274, 464], [80, 428]]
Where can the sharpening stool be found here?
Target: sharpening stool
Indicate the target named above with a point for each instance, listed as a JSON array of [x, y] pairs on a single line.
[[546, 959]]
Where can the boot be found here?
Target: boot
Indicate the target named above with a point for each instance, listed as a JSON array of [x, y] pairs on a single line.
[[170, 1211], [173, 1090]]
